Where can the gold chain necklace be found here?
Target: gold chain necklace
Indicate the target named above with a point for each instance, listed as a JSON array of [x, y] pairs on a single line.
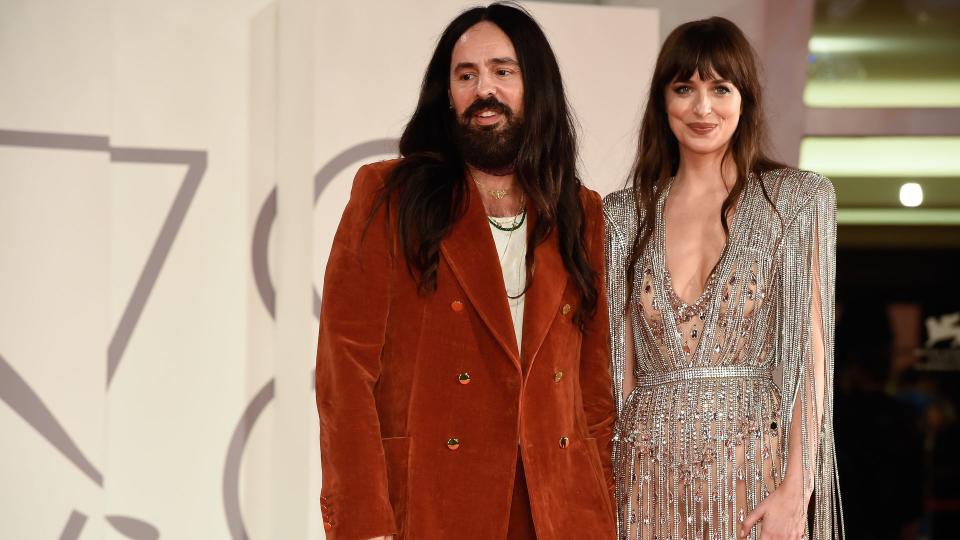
[[497, 194]]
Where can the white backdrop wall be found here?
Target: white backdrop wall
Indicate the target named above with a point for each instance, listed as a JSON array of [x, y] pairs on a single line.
[[171, 174]]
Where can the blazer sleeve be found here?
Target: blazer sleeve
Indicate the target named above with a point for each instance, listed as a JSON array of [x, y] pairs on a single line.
[[354, 498], [595, 380]]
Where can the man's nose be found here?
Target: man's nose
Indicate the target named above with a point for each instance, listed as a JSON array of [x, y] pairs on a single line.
[[486, 85]]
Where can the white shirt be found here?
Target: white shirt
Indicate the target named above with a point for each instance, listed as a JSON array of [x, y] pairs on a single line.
[[512, 251]]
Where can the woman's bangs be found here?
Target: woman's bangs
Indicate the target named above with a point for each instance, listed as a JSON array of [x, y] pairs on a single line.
[[710, 59]]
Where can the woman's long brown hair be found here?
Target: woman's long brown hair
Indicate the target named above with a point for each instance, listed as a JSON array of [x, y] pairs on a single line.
[[713, 48]]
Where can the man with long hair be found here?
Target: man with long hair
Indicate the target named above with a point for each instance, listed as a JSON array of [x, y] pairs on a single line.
[[462, 368]]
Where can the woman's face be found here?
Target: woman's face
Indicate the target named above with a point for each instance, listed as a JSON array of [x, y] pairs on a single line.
[[703, 115]]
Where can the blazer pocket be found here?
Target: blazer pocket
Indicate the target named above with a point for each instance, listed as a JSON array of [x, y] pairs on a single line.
[[396, 452]]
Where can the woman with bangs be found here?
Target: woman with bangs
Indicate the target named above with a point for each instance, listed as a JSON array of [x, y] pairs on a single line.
[[720, 275]]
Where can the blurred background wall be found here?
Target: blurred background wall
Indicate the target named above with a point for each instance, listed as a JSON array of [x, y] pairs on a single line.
[[171, 174]]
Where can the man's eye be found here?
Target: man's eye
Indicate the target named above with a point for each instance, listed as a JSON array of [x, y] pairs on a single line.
[[467, 77], [503, 72]]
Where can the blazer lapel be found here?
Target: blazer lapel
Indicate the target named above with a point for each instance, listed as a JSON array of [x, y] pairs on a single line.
[[544, 295], [472, 255]]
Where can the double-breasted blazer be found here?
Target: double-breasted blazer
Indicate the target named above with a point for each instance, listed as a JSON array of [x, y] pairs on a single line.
[[425, 400]]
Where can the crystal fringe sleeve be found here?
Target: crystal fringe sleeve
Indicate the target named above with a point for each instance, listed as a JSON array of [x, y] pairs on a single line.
[[814, 229], [621, 222], [616, 245]]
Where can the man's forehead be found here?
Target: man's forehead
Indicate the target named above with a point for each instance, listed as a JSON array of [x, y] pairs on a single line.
[[482, 43]]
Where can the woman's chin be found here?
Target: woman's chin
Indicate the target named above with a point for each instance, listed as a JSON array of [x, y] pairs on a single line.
[[703, 148]]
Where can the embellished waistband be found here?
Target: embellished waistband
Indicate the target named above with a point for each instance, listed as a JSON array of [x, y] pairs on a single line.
[[713, 372]]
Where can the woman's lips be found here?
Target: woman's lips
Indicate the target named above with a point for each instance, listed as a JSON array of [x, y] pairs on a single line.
[[701, 128]]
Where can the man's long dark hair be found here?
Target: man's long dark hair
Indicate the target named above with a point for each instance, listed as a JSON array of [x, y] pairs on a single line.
[[428, 188]]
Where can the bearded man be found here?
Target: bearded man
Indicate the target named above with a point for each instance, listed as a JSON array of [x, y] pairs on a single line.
[[463, 384]]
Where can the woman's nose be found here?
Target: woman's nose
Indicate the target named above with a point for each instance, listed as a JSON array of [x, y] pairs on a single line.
[[702, 106]]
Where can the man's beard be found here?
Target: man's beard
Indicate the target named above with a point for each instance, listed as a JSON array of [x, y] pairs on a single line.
[[491, 149]]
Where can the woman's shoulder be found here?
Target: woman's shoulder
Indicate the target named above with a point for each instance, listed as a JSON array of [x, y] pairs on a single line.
[[793, 190], [620, 204], [617, 199], [621, 216]]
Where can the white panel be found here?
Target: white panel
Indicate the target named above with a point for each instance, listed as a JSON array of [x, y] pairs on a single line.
[[181, 81], [53, 331], [58, 55], [256, 480], [295, 418], [53, 264]]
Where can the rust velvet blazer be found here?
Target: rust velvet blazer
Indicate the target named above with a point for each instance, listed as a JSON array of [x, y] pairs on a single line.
[[424, 400]]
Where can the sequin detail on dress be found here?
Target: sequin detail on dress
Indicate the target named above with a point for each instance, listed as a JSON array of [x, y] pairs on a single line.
[[702, 438]]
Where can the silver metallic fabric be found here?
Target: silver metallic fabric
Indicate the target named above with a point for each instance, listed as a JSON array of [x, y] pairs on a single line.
[[704, 435]]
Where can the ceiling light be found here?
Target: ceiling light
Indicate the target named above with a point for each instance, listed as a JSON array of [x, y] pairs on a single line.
[[911, 194]]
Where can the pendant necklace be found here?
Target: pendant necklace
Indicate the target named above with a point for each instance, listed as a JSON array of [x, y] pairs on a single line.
[[497, 194]]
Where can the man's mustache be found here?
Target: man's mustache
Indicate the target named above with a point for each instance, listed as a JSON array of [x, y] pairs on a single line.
[[490, 103]]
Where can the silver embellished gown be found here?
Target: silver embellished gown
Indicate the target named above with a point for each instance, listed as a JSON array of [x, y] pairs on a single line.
[[703, 436]]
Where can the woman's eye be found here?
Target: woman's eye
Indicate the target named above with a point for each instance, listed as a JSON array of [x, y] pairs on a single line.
[[683, 90], [723, 90]]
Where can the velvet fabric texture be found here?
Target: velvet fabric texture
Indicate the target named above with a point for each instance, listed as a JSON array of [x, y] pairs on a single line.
[[426, 399], [521, 525]]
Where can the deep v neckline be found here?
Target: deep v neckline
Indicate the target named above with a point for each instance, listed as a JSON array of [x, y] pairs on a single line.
[[681, 307]]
